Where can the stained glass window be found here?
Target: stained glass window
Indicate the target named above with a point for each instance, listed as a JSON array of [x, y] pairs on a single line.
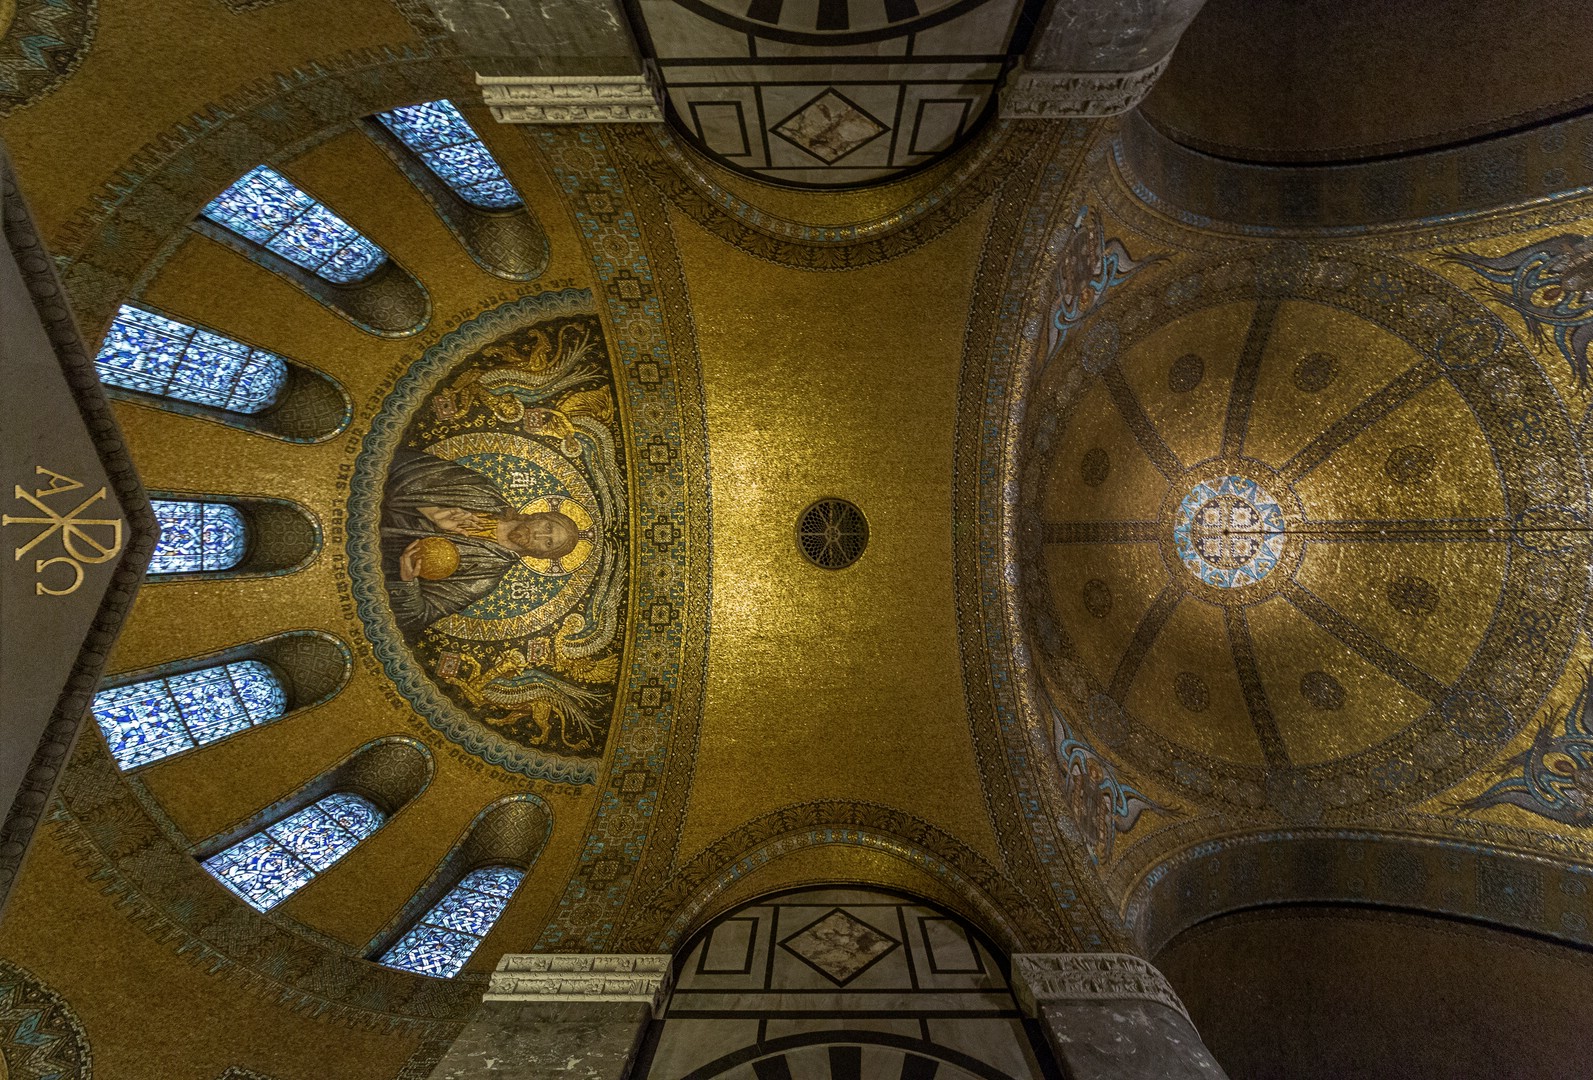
[[147, 721], [276, 862], [197, 536], [273, 211], [149, 352], [450, 147], [447, 934]]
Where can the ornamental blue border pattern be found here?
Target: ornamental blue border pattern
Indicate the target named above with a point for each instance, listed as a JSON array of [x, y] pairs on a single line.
[[643, 303], [364, 542]]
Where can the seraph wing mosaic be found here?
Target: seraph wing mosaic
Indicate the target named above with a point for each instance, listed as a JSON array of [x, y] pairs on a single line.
[[1100, 804], [1088, 265], [1554, 776], [1548, 283], [488, 536]]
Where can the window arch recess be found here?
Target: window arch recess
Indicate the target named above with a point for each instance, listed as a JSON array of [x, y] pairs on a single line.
[[276, 851], [308, 666], [147, 351], [199, 532], [507, 836], [506, 240], [337, 271]]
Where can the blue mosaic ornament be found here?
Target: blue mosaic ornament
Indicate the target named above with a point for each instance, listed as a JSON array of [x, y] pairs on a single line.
[[147, 721], [442, 138], [448, 934], [1229, 532], [156, 355], [1553, 777], [268, 208], [197, 536], [270, 866]]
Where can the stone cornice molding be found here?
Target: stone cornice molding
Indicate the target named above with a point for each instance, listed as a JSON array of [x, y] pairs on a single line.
[[1061, 95], [527, 978], [571, 99], [1040, 979]]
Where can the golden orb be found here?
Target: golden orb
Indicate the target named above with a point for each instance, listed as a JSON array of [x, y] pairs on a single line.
[[438, 557]]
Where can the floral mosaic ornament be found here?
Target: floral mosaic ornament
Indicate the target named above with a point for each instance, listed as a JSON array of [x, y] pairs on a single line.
[[197, 536], [40, 1036], [147, 721], [442, 138], [1554, 776], [449, 933], [274, 212], [155, 355], [1548, 283], [1229, 532], [273, 864]]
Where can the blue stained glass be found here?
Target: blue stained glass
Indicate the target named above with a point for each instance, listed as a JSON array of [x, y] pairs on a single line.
[[147, 721], [442, 138], [149, 352], [268, 208], [270, 866], [448, 934], [196, 536]]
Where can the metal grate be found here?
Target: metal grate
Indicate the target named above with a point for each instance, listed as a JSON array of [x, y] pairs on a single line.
[[832, 534]]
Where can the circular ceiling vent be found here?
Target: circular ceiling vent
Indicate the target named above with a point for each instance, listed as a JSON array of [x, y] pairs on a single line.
[[832, 534]]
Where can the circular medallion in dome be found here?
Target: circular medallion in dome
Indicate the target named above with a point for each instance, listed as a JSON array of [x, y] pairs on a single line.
[[1338, 581], [1229, 532]]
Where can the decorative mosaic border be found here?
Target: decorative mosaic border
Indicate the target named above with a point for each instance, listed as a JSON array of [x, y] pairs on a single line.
[[690, 892], [982, 168], [364, 540], [77, 367], [39, 1022], [642, 299], [1010, 733]]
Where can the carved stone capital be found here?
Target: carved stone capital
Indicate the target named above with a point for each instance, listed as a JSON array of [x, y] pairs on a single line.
[[1074, 978], [571, 99], [537, 977], [1062, 95]]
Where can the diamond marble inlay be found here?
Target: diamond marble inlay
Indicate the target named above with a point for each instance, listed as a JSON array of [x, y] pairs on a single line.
[[829, 127], [839, 946]]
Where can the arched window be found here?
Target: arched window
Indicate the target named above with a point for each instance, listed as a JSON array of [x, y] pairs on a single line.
[[271, 865], [446, 936], [197, 536], [266, 207], [442, 138], [156, 355], [147, 721]]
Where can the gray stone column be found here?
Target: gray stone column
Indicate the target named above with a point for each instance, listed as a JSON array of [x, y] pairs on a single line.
[[1093, 58], [1111, 1016], [547, 1015]]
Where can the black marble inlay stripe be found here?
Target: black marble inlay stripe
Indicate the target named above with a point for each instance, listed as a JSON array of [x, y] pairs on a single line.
[[1249, 672], [896, 11], [919, 1068], [833, 15], [765, 10], [1410, 383], [846, 1063], [1373, 651], [1139, 423], [1145, 634], [1242, 397], [772, 1069]]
